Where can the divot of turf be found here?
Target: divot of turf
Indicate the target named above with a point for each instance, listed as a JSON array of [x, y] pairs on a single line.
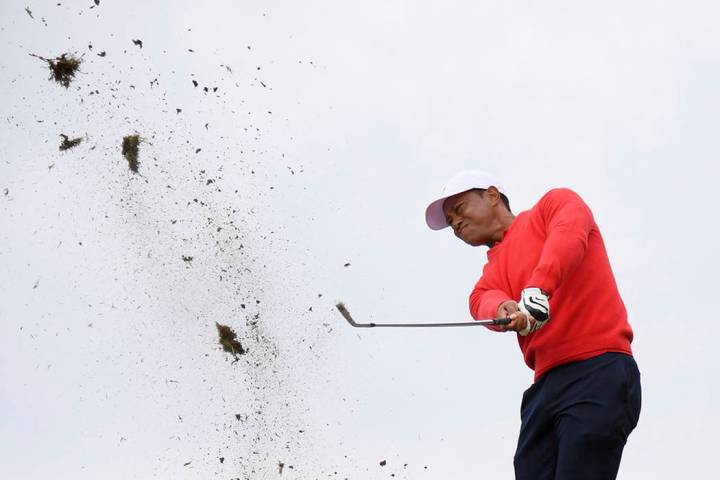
[[68, 143], [130, 151], [229, 341]]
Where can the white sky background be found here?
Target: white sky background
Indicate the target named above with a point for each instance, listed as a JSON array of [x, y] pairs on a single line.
[[110, 367]]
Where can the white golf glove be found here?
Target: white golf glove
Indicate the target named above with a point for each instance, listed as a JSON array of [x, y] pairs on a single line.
[[535, 304]]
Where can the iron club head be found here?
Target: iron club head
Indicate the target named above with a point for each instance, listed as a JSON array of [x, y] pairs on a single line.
[[346, 315]]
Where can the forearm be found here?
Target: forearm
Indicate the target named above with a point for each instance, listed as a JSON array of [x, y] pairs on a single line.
[[568, 223], [562, 253]]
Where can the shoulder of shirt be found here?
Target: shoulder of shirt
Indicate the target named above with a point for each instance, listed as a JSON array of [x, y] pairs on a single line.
[[560, 192], [556, 194]]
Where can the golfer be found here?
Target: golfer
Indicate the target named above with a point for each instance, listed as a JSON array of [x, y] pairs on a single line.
[[549, 272]]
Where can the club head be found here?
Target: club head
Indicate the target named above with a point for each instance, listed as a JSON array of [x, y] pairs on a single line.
[[346, 315]]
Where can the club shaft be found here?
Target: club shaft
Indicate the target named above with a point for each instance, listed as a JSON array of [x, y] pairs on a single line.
[[501, 321], [344, 311]]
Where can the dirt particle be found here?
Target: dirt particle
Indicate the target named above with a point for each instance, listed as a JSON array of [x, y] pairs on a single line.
[[138, 42], [27, 9], [229, 341], [346, 265], [383, 463], [281, 465], [187, 258], [68, 143], [130, 150]]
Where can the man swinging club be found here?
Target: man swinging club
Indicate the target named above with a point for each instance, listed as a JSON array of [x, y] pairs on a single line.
[[548, 271]]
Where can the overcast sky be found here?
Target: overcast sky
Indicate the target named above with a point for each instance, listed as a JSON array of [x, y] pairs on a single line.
[[325, 130]]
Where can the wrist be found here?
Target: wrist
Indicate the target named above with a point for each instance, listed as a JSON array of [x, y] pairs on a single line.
[[541, 290]]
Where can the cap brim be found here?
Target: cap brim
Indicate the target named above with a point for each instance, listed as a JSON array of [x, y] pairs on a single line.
[[435, 216]]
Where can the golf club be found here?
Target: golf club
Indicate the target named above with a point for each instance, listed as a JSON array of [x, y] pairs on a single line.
[[344, 312]]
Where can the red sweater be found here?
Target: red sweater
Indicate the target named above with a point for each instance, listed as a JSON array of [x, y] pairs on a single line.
[[557, 246]]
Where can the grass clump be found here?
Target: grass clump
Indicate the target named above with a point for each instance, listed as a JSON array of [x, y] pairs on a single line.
[[229, 341], [130, 150], [69, 143], [62, 68]]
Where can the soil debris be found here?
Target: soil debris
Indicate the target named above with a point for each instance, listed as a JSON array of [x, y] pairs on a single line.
[[229, 341], [281, 465], [97, 3], [63, 68], [27, 9], [130, 149], [383, 463], [187, 258], [138, 43], [68, 143]]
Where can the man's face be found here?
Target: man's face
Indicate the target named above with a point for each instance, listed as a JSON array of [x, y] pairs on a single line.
[[471, 217]]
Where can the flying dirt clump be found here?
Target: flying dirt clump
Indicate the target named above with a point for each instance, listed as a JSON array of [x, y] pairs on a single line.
[[229, 341], [68, 143], [62, 68], [130, 150]]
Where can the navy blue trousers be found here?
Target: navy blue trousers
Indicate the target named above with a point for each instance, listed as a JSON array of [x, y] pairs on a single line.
[[576, 419]]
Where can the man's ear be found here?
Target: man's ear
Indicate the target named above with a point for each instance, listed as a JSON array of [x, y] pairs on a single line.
[[492, 195]]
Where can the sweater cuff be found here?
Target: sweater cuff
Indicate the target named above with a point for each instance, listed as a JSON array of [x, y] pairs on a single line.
[[489, 305]]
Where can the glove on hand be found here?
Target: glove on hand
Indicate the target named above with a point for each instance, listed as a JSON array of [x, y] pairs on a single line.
[[535, 304]]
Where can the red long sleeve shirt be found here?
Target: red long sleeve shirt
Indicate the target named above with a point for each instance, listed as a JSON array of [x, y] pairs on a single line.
[[557, 246]]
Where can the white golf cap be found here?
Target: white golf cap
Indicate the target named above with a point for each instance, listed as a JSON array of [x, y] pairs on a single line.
[[461, 182]]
